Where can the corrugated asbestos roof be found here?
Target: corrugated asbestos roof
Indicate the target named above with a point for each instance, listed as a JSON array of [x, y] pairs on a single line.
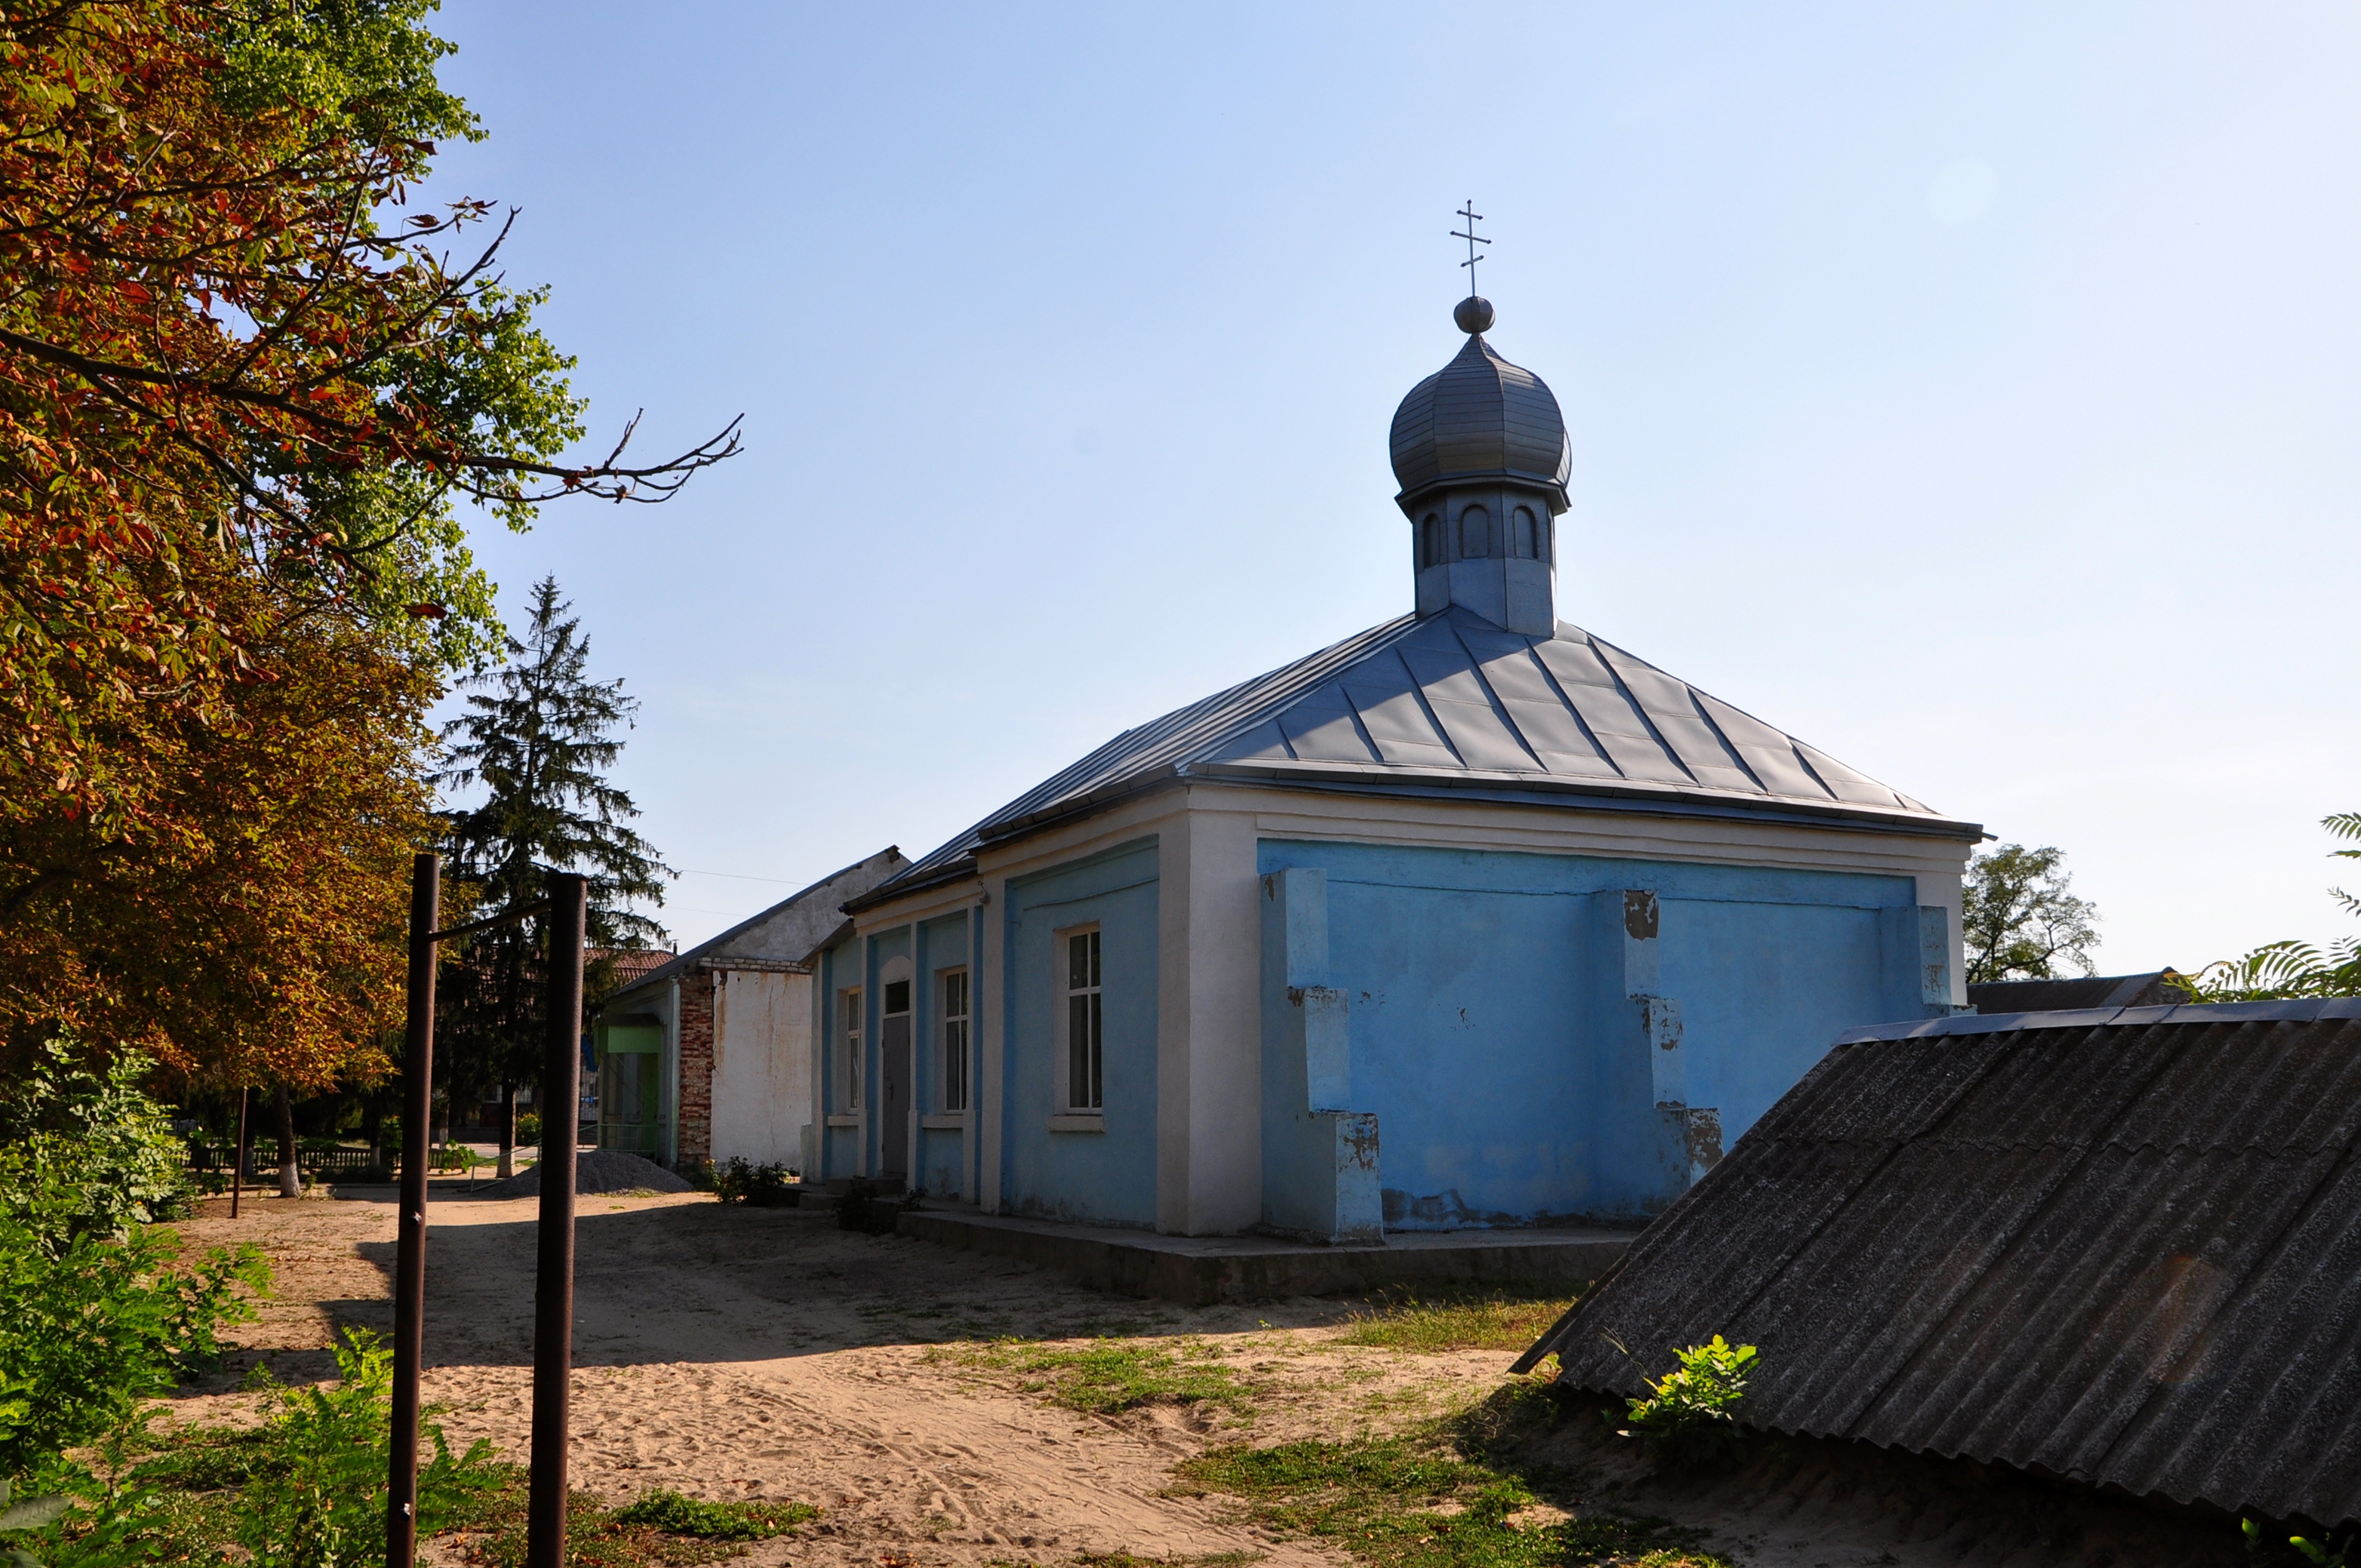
[[2120, 1245], [1451, 701], [2152, 990]]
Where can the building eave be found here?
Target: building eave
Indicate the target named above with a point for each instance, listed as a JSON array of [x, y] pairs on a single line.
[[1630, 798]]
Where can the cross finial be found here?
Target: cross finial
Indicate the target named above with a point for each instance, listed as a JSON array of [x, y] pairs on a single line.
[[1473, 239]]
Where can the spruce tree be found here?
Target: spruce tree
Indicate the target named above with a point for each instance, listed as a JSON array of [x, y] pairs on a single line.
[[538, 741]]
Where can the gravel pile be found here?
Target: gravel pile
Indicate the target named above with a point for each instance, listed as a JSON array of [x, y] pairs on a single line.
[[595, 1170]]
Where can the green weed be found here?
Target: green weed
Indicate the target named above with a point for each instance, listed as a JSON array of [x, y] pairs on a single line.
[[1688, 1421], [662, 1530], [680, 1515], [1487, 1319]]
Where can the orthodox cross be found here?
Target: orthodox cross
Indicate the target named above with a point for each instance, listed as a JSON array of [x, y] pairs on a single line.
[[1473, 239]]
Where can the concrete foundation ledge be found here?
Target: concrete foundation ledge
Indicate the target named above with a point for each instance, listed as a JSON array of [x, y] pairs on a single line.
[[1201, 1270]]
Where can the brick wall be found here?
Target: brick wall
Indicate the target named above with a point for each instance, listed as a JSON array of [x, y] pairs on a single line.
[[696, 1141]]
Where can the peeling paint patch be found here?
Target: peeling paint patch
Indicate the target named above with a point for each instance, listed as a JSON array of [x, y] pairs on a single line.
[[1703, 1138], [1640, 917]]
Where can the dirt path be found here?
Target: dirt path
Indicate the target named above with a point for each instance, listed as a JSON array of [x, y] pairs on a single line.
[[766, 1355]]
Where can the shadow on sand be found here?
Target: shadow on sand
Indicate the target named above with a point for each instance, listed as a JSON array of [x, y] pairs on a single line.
[[701, 1282]]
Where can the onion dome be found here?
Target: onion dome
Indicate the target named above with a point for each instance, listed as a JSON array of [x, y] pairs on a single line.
[[1481, 418]]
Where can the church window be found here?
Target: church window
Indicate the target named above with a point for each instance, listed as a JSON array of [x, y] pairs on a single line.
[[1521, 541], [951, 984], [1430, 542], [1085, 1086], [852, 1015], [1474, 533]]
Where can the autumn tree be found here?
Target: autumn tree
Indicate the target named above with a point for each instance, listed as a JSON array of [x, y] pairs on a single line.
[[539, 740], [244, 389], [2020, 921]]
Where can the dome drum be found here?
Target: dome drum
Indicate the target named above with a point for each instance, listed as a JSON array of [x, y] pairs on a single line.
[[1491, 548], [1481, 452]]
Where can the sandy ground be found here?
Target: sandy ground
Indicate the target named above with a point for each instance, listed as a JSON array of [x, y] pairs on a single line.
[[764, 1353]]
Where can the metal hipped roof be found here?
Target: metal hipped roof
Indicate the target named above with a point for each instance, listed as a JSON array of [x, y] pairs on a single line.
[[1453, 701], [2121, 1246]]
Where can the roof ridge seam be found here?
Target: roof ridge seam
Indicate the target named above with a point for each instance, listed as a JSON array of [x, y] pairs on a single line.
[[1795, 748], [1696, 705], [1602, 648], [1534, 652], [1418, 695], [1500, 708], [1318, 669]]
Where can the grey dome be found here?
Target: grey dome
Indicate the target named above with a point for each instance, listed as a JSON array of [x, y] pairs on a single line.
[[1480, 417]]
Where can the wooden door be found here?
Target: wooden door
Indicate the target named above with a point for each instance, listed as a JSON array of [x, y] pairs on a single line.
[[894, 1099]]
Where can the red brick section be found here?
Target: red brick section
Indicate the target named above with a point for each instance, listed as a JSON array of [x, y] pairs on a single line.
[[695, 1142]]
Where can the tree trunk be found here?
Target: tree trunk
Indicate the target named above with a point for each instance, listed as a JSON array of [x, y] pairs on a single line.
[[291, 1174], [373, 1126], [507, 1131]]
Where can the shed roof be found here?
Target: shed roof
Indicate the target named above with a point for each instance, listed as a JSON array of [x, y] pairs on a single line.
[[2152, 990], [1450, 702], [787, 933], [2118, 1246]]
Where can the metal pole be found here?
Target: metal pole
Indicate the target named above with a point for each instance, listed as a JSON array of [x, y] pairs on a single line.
[[410, 1255], [553, 1295], [237, 1155]]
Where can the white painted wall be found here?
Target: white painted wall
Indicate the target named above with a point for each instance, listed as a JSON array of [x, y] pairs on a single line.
[[762, 1067]]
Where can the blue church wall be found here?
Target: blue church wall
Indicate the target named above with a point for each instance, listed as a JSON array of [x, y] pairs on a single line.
[[1106, 1176], [1763, 991], [839, 1147], [940, 1164], [1515, 1056], [882, 949]]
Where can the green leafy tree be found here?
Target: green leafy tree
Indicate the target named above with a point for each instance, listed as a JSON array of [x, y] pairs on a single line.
[[2018, 921], [2287, 968], [83, 1150], [101, 1313], [250, 386], [538, 739]]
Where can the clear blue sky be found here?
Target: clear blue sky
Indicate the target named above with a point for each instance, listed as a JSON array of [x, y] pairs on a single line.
[[1971, 390]]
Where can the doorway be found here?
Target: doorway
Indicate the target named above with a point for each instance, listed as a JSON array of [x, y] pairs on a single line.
[[893, 1094]]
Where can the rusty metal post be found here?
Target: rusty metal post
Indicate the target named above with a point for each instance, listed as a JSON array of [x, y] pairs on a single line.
[[237, 1155], [553, 1295], [409, 1254]]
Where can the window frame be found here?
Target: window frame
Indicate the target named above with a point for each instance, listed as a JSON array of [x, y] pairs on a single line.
[[849, 1037], [1069, 1106], [955, 1070]]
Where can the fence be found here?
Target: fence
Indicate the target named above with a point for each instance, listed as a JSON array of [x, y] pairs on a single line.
[[632, 1137], [327, 1162]]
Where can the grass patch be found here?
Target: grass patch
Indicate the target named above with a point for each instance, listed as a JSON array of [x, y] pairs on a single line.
[[1474, 1319], [1110, 1375], [211, 1459], [662, 1530], [200, 1470], [680, 1515], [1455, 1496]]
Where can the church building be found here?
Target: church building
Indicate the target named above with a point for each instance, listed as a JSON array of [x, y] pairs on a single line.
[[1471, 919]]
